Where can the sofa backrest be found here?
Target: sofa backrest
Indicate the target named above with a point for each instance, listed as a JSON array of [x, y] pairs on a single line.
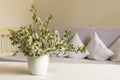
[[107, 35]]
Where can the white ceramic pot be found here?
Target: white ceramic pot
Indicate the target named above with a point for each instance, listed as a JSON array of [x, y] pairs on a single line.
[[38, 65]]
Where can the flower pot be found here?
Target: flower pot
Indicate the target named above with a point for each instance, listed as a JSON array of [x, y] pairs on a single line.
[[38, 65]]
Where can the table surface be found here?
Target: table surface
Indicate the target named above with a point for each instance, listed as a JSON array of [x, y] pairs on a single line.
[[61, 71]]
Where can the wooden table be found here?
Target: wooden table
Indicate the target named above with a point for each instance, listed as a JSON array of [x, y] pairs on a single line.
[[61, 71]]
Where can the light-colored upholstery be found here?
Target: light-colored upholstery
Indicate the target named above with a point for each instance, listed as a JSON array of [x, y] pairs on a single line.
[[74, 61], [107, 35]]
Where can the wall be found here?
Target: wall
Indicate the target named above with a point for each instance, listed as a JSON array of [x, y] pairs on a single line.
[[76, 13], [108, 13], [15, 12]]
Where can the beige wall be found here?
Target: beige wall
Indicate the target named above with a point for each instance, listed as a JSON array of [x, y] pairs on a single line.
[[108, 12], [75, 13], [15, 12]]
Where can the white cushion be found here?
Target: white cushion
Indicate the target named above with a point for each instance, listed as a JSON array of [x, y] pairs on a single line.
[[116, 49], [97, 49], [77, 42]]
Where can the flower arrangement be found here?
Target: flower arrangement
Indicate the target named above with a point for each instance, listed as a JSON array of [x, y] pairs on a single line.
[[41, 40]]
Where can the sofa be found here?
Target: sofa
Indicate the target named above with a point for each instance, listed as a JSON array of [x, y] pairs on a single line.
[[107, 35]]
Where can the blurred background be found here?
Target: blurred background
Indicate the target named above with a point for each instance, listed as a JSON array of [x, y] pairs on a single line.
[[67, 13]]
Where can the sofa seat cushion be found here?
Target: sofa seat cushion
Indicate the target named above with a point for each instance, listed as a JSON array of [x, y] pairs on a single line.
[[83, 61]]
